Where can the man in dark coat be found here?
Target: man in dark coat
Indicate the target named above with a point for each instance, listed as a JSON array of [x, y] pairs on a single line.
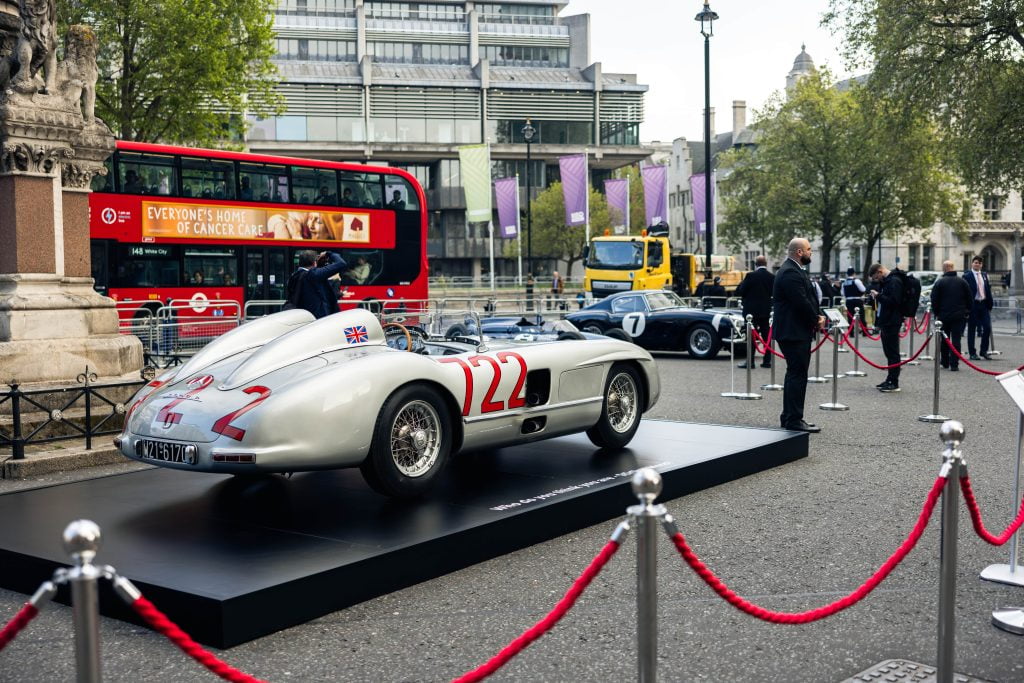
[[951, 301], [796, 316], [980, 319], [888, 320], [756, 292], [308, 285]]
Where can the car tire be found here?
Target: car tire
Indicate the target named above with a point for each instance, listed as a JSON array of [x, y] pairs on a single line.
[[616, 333], [456, 330], [412, 441], [702, 342], [569, 334], [592, 328], [621, 408]]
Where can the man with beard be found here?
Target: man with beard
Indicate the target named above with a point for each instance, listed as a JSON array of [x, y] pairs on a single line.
[[796, 316]]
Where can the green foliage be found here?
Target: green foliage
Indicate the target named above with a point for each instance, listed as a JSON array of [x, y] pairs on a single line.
[[833, 164], [551, 237], [963, 62], [180, 71]]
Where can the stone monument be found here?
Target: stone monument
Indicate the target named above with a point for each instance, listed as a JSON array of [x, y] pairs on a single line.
[[52, 323]]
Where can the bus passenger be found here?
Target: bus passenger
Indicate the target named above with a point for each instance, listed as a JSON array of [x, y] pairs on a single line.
[[246, 190], [133, 183], [357, 274], [197, 277]]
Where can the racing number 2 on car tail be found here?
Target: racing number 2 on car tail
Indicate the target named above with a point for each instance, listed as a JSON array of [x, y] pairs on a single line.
[[499, 367]]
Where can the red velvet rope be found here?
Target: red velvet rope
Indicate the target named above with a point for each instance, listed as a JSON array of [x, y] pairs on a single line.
[[26, 614], [824, 339], [159, 621], [924, 323], [545, 624], [906, 328], [767, 344], [972, 365], [894, 365], [864, 331], [979, 526], [821, 612]]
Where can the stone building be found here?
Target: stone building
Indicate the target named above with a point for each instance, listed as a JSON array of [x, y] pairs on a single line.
[[405, 84]]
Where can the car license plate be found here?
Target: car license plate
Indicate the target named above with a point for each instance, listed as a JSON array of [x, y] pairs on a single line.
[[166, 451]]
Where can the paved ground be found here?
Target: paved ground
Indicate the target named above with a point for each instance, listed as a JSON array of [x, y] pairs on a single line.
[[792, 538]]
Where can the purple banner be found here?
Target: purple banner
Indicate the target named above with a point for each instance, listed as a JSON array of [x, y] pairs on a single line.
[[575, 188], [506, 191], [616, 192], [697, 191], [655, 193]]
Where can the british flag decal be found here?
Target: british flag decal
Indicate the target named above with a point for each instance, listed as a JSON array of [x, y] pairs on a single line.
[[356, 334]]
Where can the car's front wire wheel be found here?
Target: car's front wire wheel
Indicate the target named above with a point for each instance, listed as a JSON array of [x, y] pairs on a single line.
[[701, 341], [621, 409], [411, 443]]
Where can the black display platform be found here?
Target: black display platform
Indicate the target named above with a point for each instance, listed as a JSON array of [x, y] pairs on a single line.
[[230, 561]]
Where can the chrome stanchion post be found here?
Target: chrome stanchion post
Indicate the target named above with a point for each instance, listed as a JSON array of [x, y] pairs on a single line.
[[992, 344], [81, 541], [935, 416], [769, 344], [647, 485], [1011, 573], [856, 359], [910, 341], [835, 404], [927, 312], [904, 354], [817, 379], [952, 434], [749, 395], [732, 393]]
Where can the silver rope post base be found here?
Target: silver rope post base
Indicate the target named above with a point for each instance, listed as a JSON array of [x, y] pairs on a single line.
[[952, 434], [749, 394], [992, 344], [935, 416], [81, 541], [927, 312], [856, 372], [817, 379], [647, 485]]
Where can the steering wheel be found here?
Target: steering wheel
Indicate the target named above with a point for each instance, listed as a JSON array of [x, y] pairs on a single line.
[[404, 330]]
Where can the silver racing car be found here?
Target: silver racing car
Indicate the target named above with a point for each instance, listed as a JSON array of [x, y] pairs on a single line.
[[287, 393]]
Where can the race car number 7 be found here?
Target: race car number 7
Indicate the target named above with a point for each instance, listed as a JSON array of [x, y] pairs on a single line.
[[499, 366]]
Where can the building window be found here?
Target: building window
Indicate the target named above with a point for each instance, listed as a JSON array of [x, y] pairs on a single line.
[[855, 259], [418, 53], [448, 173], [525, 55], [993, 207], [620, 133], [317, 50], [912, 257], [415, 11], [507, 168], [547, 132], [926, 256], [749, 258], [328, 8], [510, 13]]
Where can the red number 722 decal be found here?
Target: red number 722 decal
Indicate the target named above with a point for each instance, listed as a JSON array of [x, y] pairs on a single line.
[[488, 404]]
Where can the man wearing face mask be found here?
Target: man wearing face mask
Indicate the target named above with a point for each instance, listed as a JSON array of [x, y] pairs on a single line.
[[795, 311]]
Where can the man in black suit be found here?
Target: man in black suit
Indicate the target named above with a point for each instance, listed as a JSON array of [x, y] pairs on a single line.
[[756, 292], [888, 320], [980, 320], [795, 318], [951, 300]]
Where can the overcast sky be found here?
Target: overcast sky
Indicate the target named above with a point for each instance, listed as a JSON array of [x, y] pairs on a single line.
[[752, 50]]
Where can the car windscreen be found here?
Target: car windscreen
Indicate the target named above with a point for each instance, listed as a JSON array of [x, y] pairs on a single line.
[[623, 255], [659, 300]]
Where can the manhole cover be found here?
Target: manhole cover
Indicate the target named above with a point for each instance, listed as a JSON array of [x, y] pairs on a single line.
[[901, 670]]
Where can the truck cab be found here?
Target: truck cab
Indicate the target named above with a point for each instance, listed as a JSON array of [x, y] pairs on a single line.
[[619, 263]]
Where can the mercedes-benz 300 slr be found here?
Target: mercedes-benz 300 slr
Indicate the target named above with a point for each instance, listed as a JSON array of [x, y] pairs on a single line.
[[287, 393]]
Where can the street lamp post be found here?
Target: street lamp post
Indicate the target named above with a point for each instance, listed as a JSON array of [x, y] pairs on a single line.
[[528, 132], [707, 19]]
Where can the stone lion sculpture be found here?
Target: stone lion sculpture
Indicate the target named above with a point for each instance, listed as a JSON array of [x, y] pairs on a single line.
[[77, 72], [36, 48]]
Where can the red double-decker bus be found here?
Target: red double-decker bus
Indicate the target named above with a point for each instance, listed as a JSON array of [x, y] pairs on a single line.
[[178, 223]]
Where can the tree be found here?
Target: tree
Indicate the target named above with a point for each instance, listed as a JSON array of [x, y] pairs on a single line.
[[751, 204], [551, 237], [180, 70], [961, 61]]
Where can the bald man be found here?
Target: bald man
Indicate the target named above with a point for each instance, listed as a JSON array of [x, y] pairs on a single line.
[[951, 304], [795, 311]]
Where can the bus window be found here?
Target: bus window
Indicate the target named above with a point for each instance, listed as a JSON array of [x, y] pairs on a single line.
[[361, 190], [207, 178], [100, 262], [142, 265], [399, 194], [314, 186], [104, 183], [211, 266], [263, 182], [147, 173]]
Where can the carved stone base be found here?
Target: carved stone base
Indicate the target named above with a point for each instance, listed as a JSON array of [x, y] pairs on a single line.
[[51, 328]]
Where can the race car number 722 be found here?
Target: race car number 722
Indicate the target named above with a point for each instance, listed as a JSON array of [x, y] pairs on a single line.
[[488, 404]]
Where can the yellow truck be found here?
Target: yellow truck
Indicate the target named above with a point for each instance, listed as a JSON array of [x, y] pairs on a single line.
[[618, 263]]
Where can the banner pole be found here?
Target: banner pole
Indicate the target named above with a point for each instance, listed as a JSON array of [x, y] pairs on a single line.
[[490, 238]]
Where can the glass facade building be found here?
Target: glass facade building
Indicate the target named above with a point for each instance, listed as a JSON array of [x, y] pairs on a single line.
[[407, 83]]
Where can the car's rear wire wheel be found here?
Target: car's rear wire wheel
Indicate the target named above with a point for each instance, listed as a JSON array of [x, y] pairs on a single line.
[[412, 440], [701, 341], [621, 409]]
